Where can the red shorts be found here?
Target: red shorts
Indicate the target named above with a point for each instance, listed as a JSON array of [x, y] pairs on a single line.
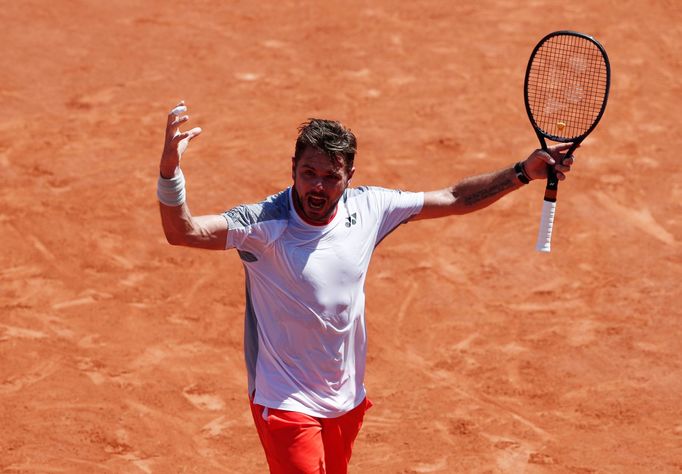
[[295, 443]]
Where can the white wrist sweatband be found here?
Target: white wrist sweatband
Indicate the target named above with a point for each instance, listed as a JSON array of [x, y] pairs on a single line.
[[171, 192]]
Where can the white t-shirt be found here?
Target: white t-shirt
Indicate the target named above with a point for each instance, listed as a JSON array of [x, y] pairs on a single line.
[[304, 336]]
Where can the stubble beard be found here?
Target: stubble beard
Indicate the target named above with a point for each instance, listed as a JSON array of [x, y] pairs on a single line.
[[302, 207]]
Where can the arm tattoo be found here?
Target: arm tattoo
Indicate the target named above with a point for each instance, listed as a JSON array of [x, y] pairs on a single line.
[[492, 190]]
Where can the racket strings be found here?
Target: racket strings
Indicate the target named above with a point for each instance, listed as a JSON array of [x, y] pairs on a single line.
[[567, 86]]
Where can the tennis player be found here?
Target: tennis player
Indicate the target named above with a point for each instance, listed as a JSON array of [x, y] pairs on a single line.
[[305, 252]]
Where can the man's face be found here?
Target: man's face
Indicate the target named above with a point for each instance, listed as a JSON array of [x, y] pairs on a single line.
[[319, 183]]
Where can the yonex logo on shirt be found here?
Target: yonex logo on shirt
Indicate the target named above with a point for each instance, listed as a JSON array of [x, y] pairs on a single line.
[[351, 220]]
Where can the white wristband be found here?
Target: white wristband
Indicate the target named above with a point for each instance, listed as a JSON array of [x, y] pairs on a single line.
[[171, 192]]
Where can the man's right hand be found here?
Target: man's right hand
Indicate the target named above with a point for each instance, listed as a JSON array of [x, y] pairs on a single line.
[[176, 142]]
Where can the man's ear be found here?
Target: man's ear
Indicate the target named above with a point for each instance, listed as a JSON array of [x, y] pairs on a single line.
[[350, 173], [293, 167]]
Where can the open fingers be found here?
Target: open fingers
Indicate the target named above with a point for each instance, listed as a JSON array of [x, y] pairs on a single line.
[[190, 134], [179, 120]]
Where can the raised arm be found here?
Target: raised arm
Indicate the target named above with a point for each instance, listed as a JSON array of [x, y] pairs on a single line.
[[180, 228], [477, 192]]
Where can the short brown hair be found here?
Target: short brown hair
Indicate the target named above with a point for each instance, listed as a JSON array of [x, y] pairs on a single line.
[[329, 137]]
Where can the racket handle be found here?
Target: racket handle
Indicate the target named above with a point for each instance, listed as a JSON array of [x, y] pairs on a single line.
[[546, 225]]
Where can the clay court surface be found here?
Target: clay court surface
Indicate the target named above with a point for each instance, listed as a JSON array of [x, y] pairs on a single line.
[[120, 353]]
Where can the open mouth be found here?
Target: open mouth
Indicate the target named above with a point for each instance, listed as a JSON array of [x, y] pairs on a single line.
[[316, 203]]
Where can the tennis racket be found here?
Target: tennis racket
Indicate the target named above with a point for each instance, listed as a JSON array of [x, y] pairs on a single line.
[[566, 89]]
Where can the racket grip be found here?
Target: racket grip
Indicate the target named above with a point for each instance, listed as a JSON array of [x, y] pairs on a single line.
[[546, 225]]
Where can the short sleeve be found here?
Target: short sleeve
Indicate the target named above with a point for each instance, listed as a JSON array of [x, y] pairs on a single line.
[[254, 226], [395, 207]]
